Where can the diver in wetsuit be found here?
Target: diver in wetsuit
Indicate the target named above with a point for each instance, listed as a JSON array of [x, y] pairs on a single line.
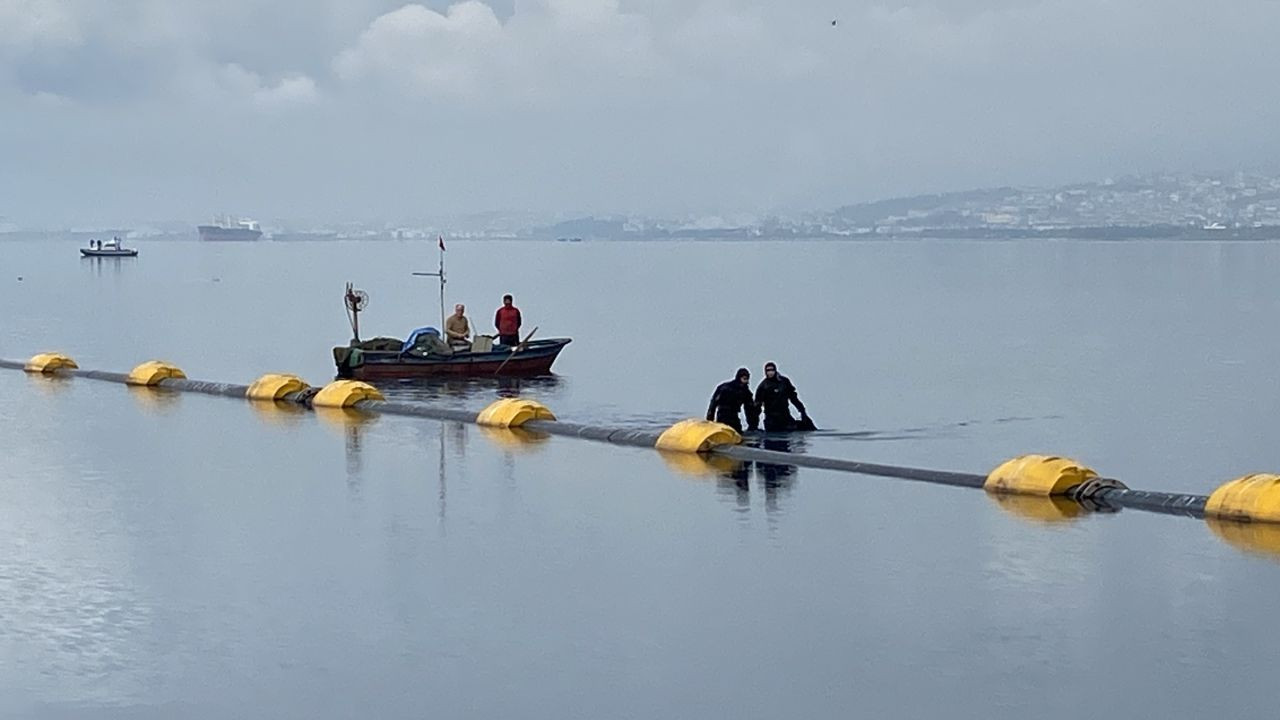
[[773, 394], [729, 397]]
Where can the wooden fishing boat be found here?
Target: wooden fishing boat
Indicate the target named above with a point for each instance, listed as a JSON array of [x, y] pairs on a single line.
[[361, 361], [425, 353]]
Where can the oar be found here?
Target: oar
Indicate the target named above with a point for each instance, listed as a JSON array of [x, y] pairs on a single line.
[[516, 350]]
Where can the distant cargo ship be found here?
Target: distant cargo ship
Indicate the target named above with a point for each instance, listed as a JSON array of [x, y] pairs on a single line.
[[227, 229]]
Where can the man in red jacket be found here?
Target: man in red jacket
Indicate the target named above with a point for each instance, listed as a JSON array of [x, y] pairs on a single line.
[[508, 322]]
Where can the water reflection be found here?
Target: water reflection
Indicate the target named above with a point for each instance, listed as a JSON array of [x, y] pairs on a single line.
[[1256, 538], [459, 431], [733, 477], [698, 465], [352, 424], [459, 392], [154, 399], [470, 392], [449, 438], [516, 439], [113, 265], [777, 479], [1039, 510], [50, 384], [735, 483], [282, 414]]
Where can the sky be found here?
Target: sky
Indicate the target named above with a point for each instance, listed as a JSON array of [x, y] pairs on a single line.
[[333, 110]]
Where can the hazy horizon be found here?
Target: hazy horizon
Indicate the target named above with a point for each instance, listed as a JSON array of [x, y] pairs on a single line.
[[522, 221], [358, 109]]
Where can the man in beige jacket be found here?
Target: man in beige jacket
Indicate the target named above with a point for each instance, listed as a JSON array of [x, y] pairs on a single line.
[[457, 329]]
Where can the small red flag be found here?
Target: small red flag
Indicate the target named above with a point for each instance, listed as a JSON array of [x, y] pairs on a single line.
[[441, 240]]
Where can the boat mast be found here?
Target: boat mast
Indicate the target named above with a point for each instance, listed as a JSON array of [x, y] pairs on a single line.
[[439, 274]]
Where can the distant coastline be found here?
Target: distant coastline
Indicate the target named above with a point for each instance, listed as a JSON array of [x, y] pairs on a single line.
[[1234, 206], [1107, 233]]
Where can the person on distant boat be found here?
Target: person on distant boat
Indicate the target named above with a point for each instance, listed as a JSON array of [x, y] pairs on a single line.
[[773, 395], [732, 396], [508, 322], [457, 329]]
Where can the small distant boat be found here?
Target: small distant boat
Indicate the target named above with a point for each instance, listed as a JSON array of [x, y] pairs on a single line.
[[108, 248]]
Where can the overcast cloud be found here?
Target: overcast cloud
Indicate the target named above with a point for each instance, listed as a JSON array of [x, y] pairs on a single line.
[[330, 109]]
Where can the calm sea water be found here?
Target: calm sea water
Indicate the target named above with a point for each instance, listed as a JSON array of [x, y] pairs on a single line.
[[185, 556]]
